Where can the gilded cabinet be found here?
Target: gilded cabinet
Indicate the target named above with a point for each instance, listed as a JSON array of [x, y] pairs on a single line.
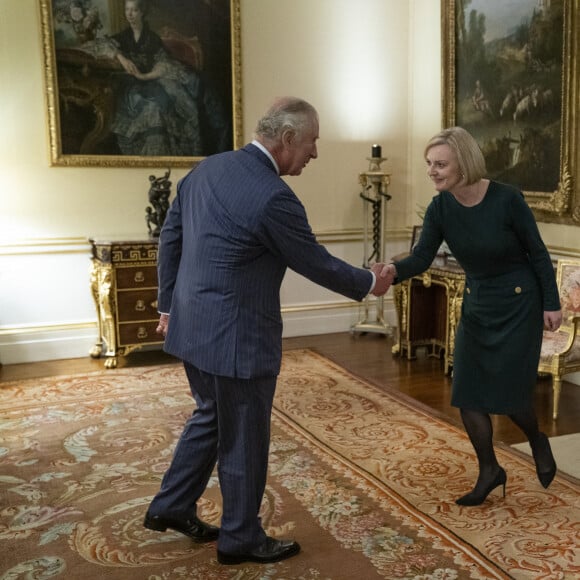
[[124, 288], [428, 310]]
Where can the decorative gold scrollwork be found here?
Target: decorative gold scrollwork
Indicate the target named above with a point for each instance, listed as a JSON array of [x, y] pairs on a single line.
[[401, 299], [455, 302]]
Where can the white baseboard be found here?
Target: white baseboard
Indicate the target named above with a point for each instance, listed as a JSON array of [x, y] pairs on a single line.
[[325, 321], [27, 346], [54, 342]]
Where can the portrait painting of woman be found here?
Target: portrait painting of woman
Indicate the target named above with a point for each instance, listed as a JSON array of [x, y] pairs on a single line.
[[140, 79]]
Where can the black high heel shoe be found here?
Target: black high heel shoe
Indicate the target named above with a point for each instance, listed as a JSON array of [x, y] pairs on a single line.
[[548, 475], [473, 498]]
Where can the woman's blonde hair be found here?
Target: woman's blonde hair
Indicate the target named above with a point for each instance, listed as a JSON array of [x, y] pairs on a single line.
[[469, 156]]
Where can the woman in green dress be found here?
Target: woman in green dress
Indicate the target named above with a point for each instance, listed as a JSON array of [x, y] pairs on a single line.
[[510, 296]]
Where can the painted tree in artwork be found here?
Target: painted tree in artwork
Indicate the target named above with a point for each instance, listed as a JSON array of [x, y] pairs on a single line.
[[474, 68], [508, 90], [545, 44]]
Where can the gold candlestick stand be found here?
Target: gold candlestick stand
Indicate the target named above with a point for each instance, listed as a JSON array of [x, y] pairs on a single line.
[[374, 194]]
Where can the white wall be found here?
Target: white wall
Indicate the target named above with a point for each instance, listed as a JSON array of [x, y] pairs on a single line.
[[425, 108]]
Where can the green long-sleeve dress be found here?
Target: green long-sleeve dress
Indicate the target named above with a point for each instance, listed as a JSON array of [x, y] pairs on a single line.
[[510, 282]]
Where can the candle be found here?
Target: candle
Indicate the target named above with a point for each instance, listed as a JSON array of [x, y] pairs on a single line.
[[376, 151]]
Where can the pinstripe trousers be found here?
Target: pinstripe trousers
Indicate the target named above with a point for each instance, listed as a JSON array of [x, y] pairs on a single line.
[[230, 425]]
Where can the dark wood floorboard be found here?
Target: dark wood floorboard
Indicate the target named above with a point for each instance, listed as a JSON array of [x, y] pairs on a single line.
[[368, 356]]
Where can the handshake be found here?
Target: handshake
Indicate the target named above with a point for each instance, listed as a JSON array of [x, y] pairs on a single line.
[[385, 275]]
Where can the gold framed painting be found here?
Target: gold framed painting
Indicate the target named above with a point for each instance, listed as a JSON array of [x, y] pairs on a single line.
[[141, 83], [510, 77]]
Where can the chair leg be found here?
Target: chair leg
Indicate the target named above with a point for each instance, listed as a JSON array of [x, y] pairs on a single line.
[[557, 387]]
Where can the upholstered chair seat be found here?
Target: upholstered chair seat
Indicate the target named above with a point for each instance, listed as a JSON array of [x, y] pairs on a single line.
[[560, 353]]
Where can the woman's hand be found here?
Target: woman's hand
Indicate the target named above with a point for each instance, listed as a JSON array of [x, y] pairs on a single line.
[[128, 65], [552, 320]]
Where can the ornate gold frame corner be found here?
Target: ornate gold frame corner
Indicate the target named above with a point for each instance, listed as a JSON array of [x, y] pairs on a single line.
[[563, 204], [58, 158]]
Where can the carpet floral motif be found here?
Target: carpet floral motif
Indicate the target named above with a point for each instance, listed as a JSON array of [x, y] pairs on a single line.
[[363, 479], [427, 463]]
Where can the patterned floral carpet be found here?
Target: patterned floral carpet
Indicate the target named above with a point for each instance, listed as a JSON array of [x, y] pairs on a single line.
[[365, 480]]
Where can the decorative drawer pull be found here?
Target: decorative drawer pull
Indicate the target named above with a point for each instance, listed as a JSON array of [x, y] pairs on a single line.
[[154, 304], [140, 306], [142, 332], [139, 276]]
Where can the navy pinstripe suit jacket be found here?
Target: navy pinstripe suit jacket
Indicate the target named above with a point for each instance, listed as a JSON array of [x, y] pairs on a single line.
[[231, 232]]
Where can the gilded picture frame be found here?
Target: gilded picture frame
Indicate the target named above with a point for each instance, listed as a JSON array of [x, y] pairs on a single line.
[[510, 77], [180, 103]]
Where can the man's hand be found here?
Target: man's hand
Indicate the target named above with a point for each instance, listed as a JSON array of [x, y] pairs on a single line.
[[385, 275], [552, 320], [163, 324]]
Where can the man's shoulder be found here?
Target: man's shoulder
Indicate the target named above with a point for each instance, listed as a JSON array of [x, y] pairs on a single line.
[[235, 168], [249, 153], [247, 159]]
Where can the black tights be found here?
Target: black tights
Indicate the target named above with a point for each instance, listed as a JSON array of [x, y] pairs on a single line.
[[480, 431], [528, 423]]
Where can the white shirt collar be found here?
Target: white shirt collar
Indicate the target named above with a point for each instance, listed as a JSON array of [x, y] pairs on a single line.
[[267, 153]]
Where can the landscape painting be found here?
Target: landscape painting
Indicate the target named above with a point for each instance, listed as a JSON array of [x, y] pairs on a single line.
[[507, 81]]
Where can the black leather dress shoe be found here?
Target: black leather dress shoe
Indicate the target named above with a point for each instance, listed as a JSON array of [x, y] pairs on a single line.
[[271, 550], [194, 528]]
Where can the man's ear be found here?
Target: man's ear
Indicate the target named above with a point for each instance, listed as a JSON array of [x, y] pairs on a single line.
[[288, 138]]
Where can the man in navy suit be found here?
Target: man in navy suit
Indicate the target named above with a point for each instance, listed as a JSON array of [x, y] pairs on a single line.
[[232, 230]]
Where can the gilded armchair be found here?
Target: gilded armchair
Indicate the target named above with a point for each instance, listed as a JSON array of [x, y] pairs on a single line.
[[560, 353]]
